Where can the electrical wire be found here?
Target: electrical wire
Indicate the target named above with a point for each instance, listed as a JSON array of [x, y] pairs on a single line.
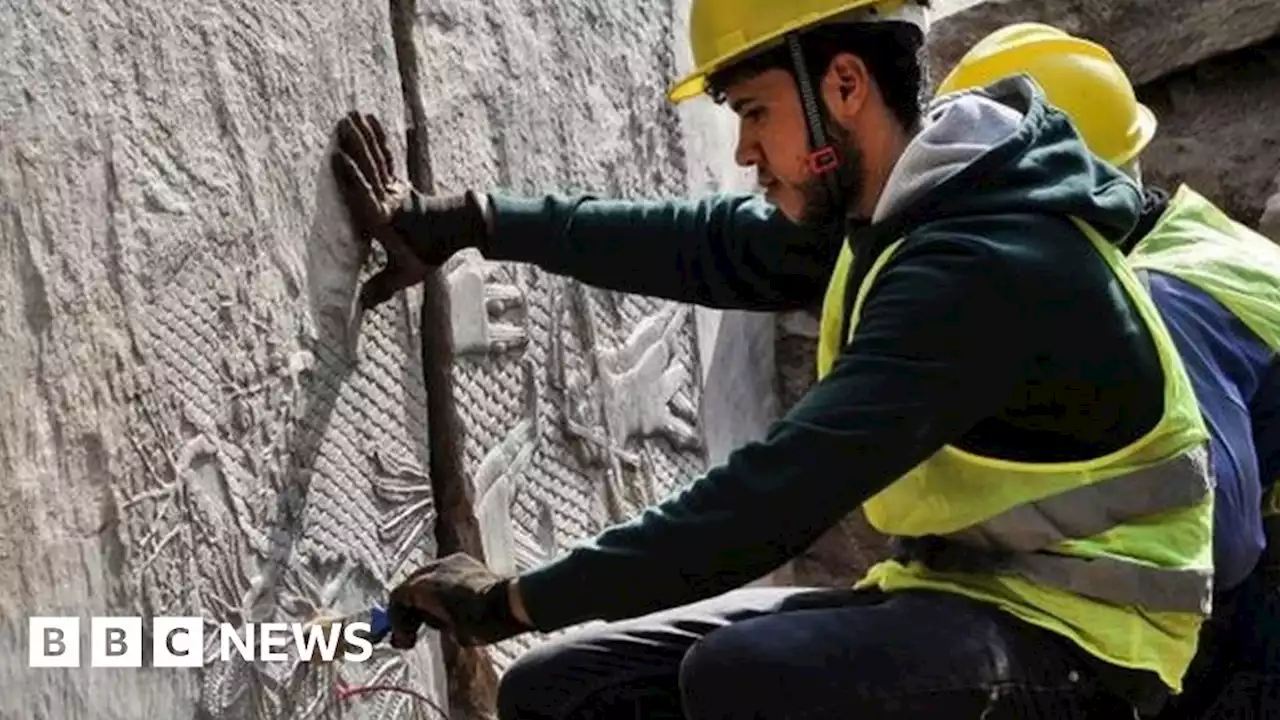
[[344, 693]]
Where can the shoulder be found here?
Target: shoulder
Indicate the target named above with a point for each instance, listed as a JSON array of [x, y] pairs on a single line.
[[1029, 239], [1017, 250], [1207, 327], [1033, 255]]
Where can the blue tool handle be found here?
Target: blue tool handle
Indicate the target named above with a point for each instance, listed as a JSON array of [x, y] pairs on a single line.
[[379, 623]]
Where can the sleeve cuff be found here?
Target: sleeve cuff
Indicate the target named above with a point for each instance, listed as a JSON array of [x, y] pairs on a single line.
[[554, 596]]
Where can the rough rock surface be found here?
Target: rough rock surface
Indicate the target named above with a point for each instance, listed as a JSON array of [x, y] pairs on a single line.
[[1149, 37], [1269, 224], [844, 553], [191, 426], [197, 423], [1217, 129]]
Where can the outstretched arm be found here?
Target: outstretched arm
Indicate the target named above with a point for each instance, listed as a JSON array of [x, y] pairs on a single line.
[[725, 251], [918, 374]]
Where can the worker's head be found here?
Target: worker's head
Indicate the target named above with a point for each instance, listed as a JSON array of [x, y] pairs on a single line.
[[860, 61], [1079, 77]]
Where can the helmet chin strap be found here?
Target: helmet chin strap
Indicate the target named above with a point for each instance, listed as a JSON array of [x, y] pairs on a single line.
[[824, 158]]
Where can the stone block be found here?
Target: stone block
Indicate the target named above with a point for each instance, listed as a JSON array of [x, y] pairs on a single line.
[[195, 423], [1150, 38], [1217, 130], [739, 396]]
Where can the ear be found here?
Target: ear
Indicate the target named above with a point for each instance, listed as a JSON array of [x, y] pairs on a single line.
[[846, 87]]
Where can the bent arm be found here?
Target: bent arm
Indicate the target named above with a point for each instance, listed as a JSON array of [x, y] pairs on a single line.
[[724, 251], [918, 374]]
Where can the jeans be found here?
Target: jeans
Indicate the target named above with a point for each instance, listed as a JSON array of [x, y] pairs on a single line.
[[811, 654]]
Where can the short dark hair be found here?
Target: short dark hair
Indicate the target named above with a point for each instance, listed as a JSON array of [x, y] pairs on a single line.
[[893, 52]]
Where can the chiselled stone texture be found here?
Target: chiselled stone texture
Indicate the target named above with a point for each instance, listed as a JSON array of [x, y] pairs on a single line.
[[1150, 38], [797, 350], [194, 423], [1269, 224], [194, 420], [579, 406], [1217, 129], [843, 553]]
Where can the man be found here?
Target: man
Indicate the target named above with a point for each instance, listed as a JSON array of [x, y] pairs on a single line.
[[1217, 286], [1005, 402]]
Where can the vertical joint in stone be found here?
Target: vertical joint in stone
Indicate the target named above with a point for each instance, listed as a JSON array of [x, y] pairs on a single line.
[[472, 680]]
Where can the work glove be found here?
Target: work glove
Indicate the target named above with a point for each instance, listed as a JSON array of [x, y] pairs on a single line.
[[418, 232], [454, 594]]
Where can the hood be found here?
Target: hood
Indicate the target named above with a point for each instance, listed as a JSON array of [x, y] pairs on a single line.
[[1002, 150], [1155, 201]]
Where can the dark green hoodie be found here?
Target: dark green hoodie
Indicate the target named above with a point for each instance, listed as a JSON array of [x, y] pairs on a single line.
[[995, 327]]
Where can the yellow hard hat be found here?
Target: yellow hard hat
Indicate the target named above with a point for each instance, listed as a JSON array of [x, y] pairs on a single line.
[[723, 32], [1079, 77]]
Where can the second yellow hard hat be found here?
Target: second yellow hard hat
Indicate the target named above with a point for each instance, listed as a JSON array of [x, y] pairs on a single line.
[[1078, 76]]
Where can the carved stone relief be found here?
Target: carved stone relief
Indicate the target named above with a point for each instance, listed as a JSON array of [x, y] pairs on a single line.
[[585, 420], [281, 478], [548, 372]]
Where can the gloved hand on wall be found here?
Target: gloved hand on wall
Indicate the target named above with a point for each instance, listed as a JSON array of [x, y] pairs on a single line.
[[418, 232], [454, 594]]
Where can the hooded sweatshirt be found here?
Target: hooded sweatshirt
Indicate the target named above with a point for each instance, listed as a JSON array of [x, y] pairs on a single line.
[[995, 327]]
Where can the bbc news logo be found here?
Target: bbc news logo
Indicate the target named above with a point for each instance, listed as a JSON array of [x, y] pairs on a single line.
[[54, 642]]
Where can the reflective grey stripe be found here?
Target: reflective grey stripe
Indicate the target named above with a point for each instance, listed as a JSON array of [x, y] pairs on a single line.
[[1108, 579], [1117, 581], [1093, 509], [1021, 540]]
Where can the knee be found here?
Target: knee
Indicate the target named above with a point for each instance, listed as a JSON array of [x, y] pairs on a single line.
[[528, 687], [720, 676]]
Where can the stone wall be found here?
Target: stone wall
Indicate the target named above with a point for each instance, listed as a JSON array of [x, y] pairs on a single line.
[[190, 425], [1218, 133], [197, 422]]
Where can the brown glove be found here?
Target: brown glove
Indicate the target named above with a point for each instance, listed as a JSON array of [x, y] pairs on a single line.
[[455, 594], [418, 232]]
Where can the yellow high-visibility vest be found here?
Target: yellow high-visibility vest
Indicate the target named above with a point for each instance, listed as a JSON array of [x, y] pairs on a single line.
[[1113, 553], [1199, 244]]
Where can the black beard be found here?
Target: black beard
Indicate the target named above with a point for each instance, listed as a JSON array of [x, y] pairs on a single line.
[[828, 198]]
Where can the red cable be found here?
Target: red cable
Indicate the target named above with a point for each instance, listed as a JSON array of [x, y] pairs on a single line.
[[346, 692]]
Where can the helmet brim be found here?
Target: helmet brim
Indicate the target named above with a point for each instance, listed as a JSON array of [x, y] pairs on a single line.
[[695, 83], [1147, 126]]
